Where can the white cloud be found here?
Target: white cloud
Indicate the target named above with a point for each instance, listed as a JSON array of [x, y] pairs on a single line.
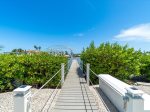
[[139, 32]]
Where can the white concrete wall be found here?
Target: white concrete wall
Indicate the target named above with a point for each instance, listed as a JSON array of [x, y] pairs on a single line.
[[135, 105], [146, 98], [115, 96], [116, 91]]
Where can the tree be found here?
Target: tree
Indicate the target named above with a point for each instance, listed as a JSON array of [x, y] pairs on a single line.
[[66, 53], [114, 59], [145, 65], [18, 50], [37, 47]]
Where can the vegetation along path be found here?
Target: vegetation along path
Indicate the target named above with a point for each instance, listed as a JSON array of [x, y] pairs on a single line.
[[75, 95]]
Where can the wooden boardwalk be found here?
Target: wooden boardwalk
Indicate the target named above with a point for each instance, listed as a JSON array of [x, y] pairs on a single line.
[[75, 95]]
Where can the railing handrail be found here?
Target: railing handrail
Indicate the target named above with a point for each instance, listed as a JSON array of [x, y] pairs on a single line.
[[92, 71], [95, 88], [100, 97], [46, 82], [51, 96]]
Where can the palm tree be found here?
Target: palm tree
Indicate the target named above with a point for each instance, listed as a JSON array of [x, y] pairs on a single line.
[[39, 48], [36, 48]]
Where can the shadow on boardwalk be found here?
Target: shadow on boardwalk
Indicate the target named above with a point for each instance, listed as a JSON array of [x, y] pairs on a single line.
[[104, 98], [106, 101], [75, 95]]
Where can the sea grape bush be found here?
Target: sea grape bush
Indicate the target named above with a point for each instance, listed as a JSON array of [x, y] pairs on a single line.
[[145, 66], [116, 60], [33, 69]]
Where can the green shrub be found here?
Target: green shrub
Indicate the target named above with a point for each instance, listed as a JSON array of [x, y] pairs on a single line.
[[34, 70], [145, 66], [114, 59]]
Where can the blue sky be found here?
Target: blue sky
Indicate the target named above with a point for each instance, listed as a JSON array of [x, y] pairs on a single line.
[[74, 23]]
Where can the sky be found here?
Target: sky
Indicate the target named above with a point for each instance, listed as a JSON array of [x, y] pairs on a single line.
[[74, 23]]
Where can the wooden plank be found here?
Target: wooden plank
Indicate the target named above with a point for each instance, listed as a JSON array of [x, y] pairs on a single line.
[[75, 95]]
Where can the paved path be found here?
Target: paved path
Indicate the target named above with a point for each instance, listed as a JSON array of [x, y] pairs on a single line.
[[75, 95]]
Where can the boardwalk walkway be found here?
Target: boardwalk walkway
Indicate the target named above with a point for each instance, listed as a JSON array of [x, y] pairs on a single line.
[[75, 95]]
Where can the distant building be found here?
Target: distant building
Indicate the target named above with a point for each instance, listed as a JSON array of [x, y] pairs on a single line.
[[32, 52]]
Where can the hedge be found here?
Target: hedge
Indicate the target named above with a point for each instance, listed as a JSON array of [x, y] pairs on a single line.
[[114, 59], [33, 70]]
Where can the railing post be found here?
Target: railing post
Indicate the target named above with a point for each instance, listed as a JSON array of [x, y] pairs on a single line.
[[69, 64], [81, 64], [62, 74], [22, 96], [87, 73]]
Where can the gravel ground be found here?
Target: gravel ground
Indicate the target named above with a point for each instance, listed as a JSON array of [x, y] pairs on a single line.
[[103, 102], [39, 103], [6, 102], [146, 89]]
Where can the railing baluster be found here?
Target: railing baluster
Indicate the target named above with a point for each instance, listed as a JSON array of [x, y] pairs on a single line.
[[62, 74], [87, 73], [26, 107]]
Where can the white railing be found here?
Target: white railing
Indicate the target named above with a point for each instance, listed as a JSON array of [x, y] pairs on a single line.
[[23, 97], [126, 98], [88, 81], [69, 63], [45, 83]]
